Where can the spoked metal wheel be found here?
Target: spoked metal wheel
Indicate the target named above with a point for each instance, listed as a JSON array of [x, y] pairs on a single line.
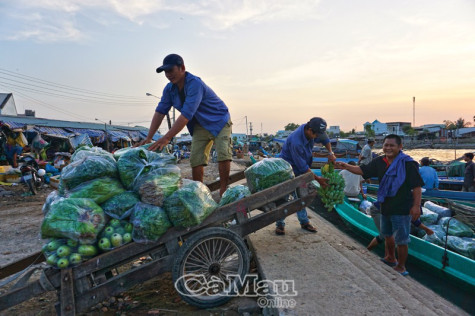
[[210, 266]]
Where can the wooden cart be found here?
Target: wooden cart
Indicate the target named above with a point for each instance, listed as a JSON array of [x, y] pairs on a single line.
[[215, 248]]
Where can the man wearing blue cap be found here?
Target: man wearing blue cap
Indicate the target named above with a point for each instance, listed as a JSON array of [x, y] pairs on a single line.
[[298, 151], [202, 111]]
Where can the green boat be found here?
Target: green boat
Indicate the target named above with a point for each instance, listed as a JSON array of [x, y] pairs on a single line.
[[457, 266]]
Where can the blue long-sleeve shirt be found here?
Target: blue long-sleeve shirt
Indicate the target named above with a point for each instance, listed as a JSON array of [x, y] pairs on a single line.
[[297, 150], [201, 105], [430, 178]]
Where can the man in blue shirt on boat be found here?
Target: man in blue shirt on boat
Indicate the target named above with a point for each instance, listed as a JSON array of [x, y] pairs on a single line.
[[428, 175], [399, 197], [298, 151], [202, 111]]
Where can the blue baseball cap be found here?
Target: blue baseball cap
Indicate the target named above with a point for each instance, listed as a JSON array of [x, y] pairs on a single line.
[[318, 125], [170, 61]]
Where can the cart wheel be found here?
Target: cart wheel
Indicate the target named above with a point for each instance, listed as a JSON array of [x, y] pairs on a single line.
[[207, 265]]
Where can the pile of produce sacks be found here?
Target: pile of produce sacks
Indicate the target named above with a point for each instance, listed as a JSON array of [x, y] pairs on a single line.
[[458, 235], [103, 204]]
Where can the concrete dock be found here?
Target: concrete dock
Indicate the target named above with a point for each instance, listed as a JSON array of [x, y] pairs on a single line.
[[334, 275]]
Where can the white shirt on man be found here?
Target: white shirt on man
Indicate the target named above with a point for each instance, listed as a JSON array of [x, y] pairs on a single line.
[[352, 183]]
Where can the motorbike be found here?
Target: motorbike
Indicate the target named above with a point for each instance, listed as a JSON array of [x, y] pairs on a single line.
[[31, 173]]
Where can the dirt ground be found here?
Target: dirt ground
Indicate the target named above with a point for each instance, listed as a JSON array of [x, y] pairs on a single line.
[[20, 221]]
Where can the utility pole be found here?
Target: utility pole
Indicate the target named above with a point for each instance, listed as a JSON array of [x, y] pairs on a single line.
[[246, 128], [413, 112], [250, 128]]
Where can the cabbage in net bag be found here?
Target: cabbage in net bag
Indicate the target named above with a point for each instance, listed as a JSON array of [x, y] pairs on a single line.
[[267, 173], [150, 222]]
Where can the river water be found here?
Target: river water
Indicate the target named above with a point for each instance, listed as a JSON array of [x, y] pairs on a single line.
[[443, 155]]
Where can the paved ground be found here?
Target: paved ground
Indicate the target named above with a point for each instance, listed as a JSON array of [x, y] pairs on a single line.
[[334, 275]]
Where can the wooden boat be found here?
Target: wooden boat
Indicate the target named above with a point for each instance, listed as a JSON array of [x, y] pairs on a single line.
[[457, 196], [444, 261]]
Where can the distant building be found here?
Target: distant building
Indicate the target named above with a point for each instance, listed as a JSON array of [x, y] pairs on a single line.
[[7, 104], [465, 132], [240, 137], [378, 127], [397, 127], [437, 130], [282, 134], [335, 130]]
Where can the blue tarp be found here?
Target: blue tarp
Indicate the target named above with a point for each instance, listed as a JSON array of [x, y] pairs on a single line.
[[13, 125], [52, 131], [82, 139], [135, 135], [117, 135]]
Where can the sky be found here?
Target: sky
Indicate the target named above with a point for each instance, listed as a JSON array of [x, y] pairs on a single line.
[[272, 62]]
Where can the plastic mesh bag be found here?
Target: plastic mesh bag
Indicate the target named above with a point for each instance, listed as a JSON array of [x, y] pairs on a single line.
[[77, 219], [189, 205], [137, 162], [64, 253], [440, 210], [86, 151], [428, 217], [150, 222], [98, 190], [155, 186], [464, 246], [267, 173], [120, 206], [234, 194], [456, 227], [50, 199], [87, 168]]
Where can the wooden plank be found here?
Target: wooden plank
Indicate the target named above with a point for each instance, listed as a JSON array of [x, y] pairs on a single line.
[[213, 186], [20, 295], [265, 219], [67, 293], [123, 282], [21, 264]]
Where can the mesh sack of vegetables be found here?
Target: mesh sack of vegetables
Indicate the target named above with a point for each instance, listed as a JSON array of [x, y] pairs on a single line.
[[464, 246], [86, 151], [77, 219], [99, 190], [139, 161], [87, 168], [150, 222], [158, 184], [333, 193], [428, 217], [438, 237], [189, 205], [456, 227], [118, 153], [267, 173], [50, 199], [234, 194], [120, 206]]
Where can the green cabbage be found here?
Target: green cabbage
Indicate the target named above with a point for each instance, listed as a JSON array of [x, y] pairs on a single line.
[[267, 173]]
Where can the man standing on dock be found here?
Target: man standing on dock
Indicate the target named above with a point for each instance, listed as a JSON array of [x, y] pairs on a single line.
[[399, 197], [298, 151]]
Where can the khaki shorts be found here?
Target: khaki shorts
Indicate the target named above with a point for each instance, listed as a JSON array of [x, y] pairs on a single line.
[[203, 141]]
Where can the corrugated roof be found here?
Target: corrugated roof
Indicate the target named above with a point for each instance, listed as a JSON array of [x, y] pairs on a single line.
[[13, 125], [53, 131], [90, 132], [117, 135]]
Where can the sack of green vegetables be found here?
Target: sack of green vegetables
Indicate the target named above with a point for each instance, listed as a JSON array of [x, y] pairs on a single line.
[[189, 205], [85, 169], [234, 194], [120, 206], [267, 173], [86, 151], [138, 162], [62, 253], [159, 183], [77, 219], [99, 190], [149, 222]]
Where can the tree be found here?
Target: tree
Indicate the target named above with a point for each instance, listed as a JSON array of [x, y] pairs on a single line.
[[459, 123], [369, 131], [408, 130], [291, 127]]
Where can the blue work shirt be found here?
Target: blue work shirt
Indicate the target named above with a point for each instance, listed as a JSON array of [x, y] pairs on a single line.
[[298, 150], [201, 105], [430, 178]]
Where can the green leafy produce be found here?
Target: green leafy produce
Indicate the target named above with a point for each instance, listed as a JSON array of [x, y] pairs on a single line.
[[428, 217], [333, 193], [99, 190], [189, 205], [456, 227], [234, 194], [120, 152], [120, 206], [87, 168], [155, 186], [150, 222], [86, 151], [50, 199], [77, 219], [267, 173], [137, 162]]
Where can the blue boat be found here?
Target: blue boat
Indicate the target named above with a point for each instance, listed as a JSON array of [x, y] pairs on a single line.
[[459, 267]]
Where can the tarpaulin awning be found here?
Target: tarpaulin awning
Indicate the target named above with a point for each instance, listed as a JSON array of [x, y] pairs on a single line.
[[13, 125], [90, 132], [82, 139], [144, 134], [117, 135], [135, 135], [52, 131]]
